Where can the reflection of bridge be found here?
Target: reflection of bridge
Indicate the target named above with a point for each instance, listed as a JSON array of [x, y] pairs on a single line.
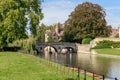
[[58, 46]]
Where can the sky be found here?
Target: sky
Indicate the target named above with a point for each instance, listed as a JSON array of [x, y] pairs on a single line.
[[58, 10]]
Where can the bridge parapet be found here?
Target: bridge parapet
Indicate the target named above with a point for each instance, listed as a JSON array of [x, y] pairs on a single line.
[[58, 46]]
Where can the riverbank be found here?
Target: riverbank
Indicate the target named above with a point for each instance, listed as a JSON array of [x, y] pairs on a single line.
[[113, 51], [17, 66]]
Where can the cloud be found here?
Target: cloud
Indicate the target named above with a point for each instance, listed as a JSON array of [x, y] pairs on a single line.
[[113, 8], [114, 21], [113, 15], [57, 11]]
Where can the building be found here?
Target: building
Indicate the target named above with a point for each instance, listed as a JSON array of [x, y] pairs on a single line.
[[119, 30], [115, 32], [56, 34]]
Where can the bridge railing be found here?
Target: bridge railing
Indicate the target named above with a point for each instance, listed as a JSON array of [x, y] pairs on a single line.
[[37, 42]]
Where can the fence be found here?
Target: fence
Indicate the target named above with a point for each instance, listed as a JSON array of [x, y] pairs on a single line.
[[73, 73]]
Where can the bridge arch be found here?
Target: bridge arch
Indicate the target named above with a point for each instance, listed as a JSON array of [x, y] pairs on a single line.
[[68, 50], [50, 49], [58, 46]]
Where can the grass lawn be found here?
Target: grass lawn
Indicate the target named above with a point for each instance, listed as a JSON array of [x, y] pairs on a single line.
[[108, 51], [17, 66]]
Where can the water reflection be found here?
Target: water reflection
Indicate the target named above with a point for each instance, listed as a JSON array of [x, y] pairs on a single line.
[[109, 67]]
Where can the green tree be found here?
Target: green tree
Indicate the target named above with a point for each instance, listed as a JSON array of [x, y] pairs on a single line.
[[14, 15], [50, 38], [86, 40], [87, 20], [41, 33]]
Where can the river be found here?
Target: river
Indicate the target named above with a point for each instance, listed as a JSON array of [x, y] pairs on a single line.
[[103, 65]]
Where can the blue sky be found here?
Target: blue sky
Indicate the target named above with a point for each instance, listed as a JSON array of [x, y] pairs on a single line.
[[58, 10]]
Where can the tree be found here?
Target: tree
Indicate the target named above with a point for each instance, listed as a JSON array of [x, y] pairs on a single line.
[[87, 20], [50, 38], [41, 33], [14, 16]]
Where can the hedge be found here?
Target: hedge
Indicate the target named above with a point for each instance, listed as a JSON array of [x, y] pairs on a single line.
[[107, 44]]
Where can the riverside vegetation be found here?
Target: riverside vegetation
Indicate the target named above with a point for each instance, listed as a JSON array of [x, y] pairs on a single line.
[[108, 47]]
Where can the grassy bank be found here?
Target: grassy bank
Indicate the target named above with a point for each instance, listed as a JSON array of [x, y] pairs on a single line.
[[17, 66], [108, 51]]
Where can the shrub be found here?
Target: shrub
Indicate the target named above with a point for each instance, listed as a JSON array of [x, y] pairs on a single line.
[[86, 41], [107, 44], [11, 48], [101, 46], [116, 45], [28, 45]]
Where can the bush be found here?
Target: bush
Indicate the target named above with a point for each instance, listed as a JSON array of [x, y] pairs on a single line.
[[116, 45], [11, 48], [107, 44], [102, 46], [28, 45], [86, 41]]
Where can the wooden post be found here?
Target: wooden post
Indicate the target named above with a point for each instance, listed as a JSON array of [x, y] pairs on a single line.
[[78, 73], [84, 74], [103, 77], [93, 75]]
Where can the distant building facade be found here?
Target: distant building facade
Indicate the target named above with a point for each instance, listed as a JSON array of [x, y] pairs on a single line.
[[56, 33], [119, 30], [115, 32]]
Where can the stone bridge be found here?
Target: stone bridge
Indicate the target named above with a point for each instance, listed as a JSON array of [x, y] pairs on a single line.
[[58, 46]]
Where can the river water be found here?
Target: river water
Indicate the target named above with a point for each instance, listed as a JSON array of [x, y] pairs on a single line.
[[103, 65]]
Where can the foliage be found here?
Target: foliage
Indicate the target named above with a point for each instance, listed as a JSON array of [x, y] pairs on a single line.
[[10, 48], [87, 20], [50, 27], [86, 41], [117, 36], [107, 44], [28, 45], [116, 45], [15, 15], [41, 30], [101, 46], [50, 38], [41, 33]]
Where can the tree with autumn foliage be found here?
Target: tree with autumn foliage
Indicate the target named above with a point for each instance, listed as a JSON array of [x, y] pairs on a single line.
[[86, 21]]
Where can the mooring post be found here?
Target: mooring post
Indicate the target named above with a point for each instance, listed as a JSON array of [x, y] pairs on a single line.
[[68, 70], [93, 75], [116, 79], [84, 74], [73, 72], [103, 77], [78, 73]]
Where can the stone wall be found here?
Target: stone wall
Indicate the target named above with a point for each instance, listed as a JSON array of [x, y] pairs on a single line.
[[83, 48]]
